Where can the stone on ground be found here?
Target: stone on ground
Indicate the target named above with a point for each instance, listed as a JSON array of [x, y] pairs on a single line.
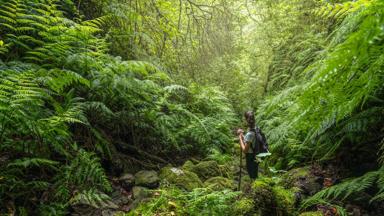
[[206, 169], [188, 165], [303, 178], [127, 181], [140, 192], [147, 178], [219, 183], [285, 200], [263, 197], [182, 178]]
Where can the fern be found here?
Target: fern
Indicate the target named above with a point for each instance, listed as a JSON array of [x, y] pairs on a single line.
[[349, 189], [83, 173], [91, 197], [29, 162]]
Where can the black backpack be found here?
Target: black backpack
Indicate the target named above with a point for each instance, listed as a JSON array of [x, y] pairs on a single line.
[[261, 145]]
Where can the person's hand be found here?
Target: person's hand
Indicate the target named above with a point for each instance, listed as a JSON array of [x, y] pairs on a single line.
[[240, 132]]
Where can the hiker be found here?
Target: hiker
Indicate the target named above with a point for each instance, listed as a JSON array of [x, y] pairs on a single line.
[[251, 144]]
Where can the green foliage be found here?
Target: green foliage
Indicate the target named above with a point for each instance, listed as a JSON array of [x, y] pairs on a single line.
[[59, 86], [349, 189], [332, 107], [338, 103], [200, 201], [85, 173]]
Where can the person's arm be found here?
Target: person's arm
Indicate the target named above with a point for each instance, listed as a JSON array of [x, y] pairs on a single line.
[[243, 144]]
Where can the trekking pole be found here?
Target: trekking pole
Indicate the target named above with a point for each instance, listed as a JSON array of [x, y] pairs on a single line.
[[241, 164]]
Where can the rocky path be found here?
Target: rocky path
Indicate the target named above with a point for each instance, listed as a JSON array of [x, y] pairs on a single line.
[[266, 196]]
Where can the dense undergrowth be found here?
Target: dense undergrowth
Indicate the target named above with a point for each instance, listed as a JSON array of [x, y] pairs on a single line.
[[92, 89], [330, 111], [65, 103]]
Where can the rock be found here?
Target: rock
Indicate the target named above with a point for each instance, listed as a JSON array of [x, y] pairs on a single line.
[[226, 171], [188, 165], [127, 181], [182, 178], [244, 206], [303, 179], [311, 213], [219, 183], [147, 178], [263, 197], [285, 200], [122, 200], [206, 169], [140, 193]]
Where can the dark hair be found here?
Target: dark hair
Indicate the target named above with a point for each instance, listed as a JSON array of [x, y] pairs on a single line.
[[250, 118]]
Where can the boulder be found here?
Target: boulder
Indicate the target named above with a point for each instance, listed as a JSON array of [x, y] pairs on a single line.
[[284, 200], [140, 193], [188, 165], [304, 179], [182, 178], [147, 178], [206, 169], [219, 183], [127, 181], [226, 170], [263, 197]]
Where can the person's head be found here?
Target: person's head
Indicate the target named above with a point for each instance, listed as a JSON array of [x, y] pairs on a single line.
[[250, 119]]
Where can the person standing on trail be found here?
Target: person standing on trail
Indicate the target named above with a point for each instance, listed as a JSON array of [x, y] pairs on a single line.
[[253, 143]]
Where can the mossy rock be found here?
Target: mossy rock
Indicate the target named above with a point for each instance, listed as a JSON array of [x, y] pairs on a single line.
[[206, 169], [188, 165], [226, 170], [285, 200], [219, 183], [147, 178], [140, 192], [302, 178], [244, 206], [181, 178], [263, 197], [312, 213]]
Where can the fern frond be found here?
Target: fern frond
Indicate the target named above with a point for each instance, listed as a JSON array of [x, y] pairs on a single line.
[[91, 197], [37, 162]]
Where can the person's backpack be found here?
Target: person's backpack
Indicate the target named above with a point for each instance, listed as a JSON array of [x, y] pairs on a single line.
[[261, 145]]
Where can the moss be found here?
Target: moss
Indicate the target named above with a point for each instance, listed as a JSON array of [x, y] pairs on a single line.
[[219, 183], [226, 170], [182, 178], [312, 213], [263, 197], [244, 206], [284, 199], [291, 177], [303, 179], [188, 165], [207, 169], [147, 178]]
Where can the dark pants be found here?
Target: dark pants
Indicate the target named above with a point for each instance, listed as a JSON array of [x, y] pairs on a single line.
[[252, 166]]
